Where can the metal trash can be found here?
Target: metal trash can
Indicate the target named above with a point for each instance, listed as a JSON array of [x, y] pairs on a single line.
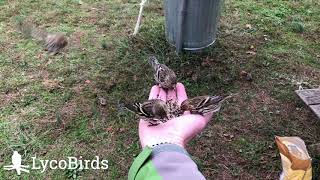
[[191, 24]]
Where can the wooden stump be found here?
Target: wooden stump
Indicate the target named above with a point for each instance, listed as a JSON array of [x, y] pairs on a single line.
[[312, 98]]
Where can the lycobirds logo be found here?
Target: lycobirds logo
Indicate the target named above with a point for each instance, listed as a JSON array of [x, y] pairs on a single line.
[[16, 164]]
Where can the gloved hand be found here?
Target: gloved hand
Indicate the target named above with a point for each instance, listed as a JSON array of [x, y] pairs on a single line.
[[177, 131]]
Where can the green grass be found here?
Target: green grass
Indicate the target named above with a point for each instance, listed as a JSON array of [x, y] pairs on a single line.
[[48, 104]]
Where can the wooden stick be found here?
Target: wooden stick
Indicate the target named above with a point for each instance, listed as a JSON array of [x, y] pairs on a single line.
[[136, 29]]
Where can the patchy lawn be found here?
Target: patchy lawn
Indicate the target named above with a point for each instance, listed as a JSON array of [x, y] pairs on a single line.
[[48, 104]]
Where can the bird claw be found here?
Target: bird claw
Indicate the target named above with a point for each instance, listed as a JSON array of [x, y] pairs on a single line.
[[163, 120], [153, 124]]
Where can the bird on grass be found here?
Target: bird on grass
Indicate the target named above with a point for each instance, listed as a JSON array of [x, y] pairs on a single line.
[[163, 75], [53, 42], [203, 104], [155, 111]]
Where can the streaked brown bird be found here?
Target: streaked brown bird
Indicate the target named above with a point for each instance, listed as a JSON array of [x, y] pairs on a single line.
[[155, 111], [163, 75], [202, 104], [53, 42]]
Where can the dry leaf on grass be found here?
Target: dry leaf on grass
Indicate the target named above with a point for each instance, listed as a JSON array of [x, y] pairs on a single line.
[[51, 84], [248, 26], [245, 75], [251, 53]]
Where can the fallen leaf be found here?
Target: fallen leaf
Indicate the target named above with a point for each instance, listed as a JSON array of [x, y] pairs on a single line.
[[102, 101], [248, 26], [39, 56], [194, 77], [245, 75], [228, 135], [206, 62], [251, 52], [50, 84], [109, 129], [189, 72], [135, 78], [274, 155], [266, 37]]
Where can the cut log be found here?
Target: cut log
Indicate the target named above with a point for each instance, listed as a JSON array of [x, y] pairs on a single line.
[[309, 96], [316, 109], [312, 98]]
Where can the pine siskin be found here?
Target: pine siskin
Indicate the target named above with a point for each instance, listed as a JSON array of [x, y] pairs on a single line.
[[202, 104], [164, 76], [53, 42], [154, 111]]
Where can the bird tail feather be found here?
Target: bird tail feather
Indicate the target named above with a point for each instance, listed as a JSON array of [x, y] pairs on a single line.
[[130, 107], [134, 107]]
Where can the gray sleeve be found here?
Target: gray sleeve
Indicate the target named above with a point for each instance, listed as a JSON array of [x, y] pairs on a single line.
[[174, 163]]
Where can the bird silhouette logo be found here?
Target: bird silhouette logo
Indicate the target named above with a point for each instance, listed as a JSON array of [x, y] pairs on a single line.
[[16, 164]]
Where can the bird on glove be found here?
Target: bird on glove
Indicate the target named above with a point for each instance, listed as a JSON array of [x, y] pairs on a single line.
[[163, 75], [155, 111], [53, 42], [203, 104]]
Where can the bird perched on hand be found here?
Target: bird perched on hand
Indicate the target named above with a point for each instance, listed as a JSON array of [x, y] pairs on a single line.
[[163, 75], [53, 42], [202, 104], [154, 111]]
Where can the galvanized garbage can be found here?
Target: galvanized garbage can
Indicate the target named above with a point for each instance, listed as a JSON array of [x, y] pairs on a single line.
[[191, 24]]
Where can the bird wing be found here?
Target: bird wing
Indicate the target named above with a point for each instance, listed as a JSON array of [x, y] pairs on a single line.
[[145, 109], [206, 103]]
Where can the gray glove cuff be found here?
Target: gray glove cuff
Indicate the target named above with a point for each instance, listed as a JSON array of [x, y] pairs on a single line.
[[167, 147]]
